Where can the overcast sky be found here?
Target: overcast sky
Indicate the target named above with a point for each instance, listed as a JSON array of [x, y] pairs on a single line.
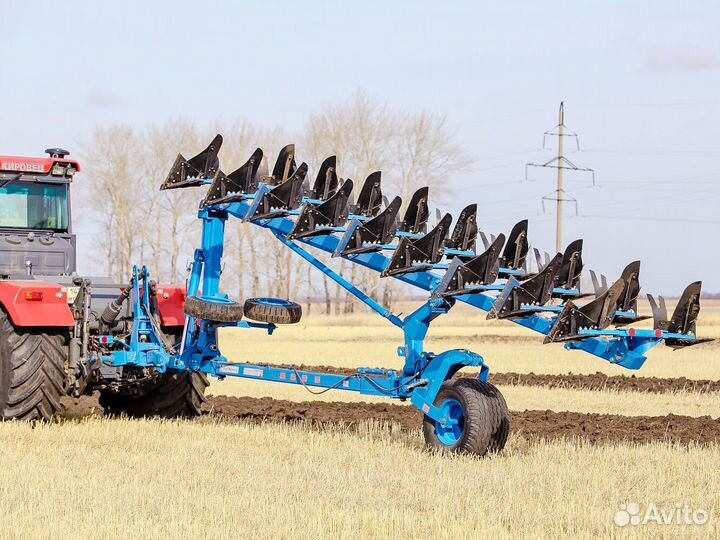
[[640, 81]]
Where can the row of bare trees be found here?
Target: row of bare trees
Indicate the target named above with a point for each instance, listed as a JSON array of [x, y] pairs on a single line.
[[119, 195]]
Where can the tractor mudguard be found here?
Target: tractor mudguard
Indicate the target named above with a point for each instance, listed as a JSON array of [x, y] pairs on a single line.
[[171, 305], [36, 303]]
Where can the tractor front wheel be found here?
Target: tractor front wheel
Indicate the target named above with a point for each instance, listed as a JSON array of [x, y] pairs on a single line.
[[32, 371], [479, 418], [172, 395]]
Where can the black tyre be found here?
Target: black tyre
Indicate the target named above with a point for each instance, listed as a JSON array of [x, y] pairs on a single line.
[[213, 311], [176, 395], [273, 310], [32, 370], [481, 415]]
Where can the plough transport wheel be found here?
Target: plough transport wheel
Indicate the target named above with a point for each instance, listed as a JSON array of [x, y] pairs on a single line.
[[479, 414], [273, 310], [172, 395], [32, 371], [208, 310]]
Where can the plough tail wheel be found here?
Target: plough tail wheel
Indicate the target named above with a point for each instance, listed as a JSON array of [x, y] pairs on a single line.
[[208, 310], [172, 395], [273, 310], [32, 371], [479, 418]]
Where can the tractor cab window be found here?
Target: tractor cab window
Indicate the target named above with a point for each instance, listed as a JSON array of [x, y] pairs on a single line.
[[33, 205]]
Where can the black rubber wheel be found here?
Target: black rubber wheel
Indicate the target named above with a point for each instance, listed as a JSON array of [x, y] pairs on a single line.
[[482, 415], [213, 311], [32, 370], [273, 310], [176, 395]]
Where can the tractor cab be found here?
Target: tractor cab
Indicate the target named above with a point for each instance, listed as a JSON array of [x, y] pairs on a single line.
[[35, 228]]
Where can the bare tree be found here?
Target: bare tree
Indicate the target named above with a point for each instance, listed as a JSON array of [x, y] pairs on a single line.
[[126, 166], [411, 150], [113, 194]]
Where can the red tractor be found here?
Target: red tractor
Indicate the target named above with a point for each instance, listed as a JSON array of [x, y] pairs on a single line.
[[49, 314]]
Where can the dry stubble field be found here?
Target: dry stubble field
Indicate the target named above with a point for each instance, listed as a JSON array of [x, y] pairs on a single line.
[[265, 463]]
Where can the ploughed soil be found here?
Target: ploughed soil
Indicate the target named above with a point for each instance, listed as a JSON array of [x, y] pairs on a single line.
[[531, 425], [596, 381], [600, 381]]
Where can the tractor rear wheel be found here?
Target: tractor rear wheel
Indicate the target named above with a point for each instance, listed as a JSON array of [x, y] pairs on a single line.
[[172, 395], [481, 420], [32, 371]]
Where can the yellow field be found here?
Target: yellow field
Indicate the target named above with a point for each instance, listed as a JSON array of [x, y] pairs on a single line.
[[151, 479], [368, 340], [98, 478]]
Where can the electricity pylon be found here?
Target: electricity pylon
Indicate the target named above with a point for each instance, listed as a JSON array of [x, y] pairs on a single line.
[[560, 196]]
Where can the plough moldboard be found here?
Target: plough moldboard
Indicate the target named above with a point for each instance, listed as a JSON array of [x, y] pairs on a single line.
[[443, 259]]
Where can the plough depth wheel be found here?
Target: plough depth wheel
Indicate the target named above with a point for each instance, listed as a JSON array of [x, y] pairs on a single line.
[[273, 310], [226, 311], [479, 420]]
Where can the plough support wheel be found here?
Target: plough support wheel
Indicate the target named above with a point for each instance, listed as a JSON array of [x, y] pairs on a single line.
[[479, 421], [213, 311], [273, 310]]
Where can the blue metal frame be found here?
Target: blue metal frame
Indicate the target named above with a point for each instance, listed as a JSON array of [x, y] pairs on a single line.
[[423, 372]]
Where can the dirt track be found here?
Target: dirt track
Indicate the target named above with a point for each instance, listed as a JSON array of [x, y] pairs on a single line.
[[595, 428], [596, 381]]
